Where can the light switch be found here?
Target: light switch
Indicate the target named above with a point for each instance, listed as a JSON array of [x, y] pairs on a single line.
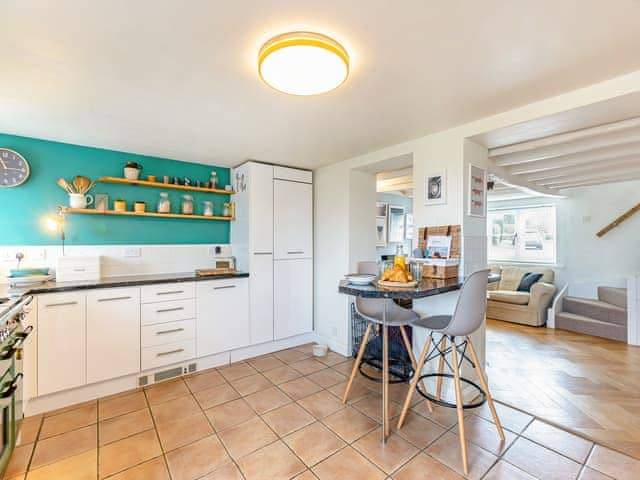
[[133, 252]]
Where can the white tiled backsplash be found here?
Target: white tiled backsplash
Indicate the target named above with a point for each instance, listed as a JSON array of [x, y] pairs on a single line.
[[119, 260]]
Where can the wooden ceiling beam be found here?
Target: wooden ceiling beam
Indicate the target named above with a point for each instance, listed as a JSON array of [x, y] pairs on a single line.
[[595, 175], [599, 181], [602, 167]]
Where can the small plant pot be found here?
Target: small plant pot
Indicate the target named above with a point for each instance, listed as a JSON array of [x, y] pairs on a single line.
[[140, 207], [119, 206]]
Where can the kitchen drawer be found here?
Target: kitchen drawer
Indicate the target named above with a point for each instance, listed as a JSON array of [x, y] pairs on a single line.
[[292, 174], [161, 312], [168, 291], [160, 355], [171, 332]]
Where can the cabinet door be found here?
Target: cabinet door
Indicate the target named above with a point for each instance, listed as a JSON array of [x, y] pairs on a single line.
[[293, 219], [113, 333], [293, 292], [222, 315], [30, 353], [261, 297], [261, 209], [61, 342]]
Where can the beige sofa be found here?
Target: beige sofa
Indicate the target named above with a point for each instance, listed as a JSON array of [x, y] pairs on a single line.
[[525, 308]]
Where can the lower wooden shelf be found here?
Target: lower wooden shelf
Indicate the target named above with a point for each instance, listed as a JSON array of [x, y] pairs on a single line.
[[90, 211]]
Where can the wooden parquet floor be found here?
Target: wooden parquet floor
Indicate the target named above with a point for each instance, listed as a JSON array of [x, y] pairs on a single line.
[[585, 384]]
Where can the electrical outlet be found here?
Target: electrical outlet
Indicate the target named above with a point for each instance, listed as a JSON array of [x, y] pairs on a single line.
[[133, 252]]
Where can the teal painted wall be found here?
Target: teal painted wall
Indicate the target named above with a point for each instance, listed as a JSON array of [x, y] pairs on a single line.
[[23, 208]]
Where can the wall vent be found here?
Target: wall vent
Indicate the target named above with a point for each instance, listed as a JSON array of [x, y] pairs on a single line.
[[192, 367], [142, 381], [165, 374]]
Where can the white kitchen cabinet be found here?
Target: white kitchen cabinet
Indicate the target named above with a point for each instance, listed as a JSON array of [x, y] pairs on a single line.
[[61, 342], [164, 292], [292, 219], [113, 333], [161, 312], [167, 354], [293, 297], [222, 315], [261, 209], [261, 297]]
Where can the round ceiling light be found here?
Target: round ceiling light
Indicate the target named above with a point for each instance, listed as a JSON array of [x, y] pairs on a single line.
[[303, 63]]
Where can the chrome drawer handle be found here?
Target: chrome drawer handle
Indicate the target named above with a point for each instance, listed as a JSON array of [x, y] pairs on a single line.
[[226, 286], [113, 299], [79, 269], [61, 304], [171, 352], [174, 309], [296, 252], [174, 330], [170, 293], [262, 253]]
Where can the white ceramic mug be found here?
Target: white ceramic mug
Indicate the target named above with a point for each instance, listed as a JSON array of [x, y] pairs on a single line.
[[80, 200]]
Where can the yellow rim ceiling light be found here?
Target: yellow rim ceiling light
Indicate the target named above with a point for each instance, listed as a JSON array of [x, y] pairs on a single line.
[[303, 63]]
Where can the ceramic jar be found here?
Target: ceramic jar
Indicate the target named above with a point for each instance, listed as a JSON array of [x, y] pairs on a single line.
[[164, 204]]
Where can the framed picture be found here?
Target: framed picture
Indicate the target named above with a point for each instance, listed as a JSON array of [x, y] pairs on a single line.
[[477, 191], [381, 231], [396, 224], [102, 201], [435, 189], [408, 226], [439, 246], [382, 209]]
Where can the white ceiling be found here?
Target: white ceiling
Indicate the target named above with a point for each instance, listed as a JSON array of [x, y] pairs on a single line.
[[178, 79]]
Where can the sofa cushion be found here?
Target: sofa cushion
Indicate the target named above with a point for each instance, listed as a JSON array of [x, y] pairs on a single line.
[[508, 296], [510, 278], [527, 281]]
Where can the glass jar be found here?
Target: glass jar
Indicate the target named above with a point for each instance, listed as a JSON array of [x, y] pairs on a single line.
[[214, 180], [399, 258], [226, 211], [207, 211], [164, 204], [187, 205]]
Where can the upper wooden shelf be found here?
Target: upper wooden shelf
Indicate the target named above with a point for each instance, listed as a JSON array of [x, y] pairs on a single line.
[[129, 213], [171, 186]]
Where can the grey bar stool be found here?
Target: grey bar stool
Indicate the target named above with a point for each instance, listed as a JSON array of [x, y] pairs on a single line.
[[385, 313], [468, 316]]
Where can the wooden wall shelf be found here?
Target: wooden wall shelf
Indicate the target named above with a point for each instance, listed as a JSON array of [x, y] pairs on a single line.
[[169, 186], [90, 211]]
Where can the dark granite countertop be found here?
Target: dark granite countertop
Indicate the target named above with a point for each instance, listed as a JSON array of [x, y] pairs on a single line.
[[10, 296]]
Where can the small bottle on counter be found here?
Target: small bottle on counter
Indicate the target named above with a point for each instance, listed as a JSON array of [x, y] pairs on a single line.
[[214, 180], [164, 204]]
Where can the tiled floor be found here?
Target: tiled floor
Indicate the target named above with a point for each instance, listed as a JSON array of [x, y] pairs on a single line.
[[280, 416]]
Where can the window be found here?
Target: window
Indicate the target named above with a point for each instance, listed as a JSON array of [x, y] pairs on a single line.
[[522, 234]]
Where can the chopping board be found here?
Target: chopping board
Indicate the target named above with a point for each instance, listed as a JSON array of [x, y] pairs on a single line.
[[388, 284], [212, 272]]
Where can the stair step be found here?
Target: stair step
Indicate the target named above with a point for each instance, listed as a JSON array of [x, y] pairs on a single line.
[[590, 326], [613, 295], [596, 309]]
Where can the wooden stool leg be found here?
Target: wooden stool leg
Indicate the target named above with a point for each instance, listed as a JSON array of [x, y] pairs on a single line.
[[354, 370], [407, 345], [443, 345], [485, 387], [459, 406], [385, 382], [414, 381]]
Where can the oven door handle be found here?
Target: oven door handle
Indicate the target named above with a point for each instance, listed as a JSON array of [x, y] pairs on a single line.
[[12, 387], [24, 334]]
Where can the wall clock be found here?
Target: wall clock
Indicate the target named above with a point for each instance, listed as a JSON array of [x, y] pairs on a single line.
[[14, 169]]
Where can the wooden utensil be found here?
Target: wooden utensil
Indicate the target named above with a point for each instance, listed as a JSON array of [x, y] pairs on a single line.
[[63, 184]]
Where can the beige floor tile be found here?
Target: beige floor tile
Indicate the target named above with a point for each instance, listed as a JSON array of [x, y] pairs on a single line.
[[484, 434], [230, 414], [265, 362], [128, 452], [121, 405], [204, 379], [513, 419], [314, 443], [65, 445], [237, 370], [344, 368], [78, 467], [71, 420], [173, 410], [347, 463], [307, 366], [19, 460], [590, 474], [282, 374], [197, 459], [68, 408], [505, 471], [418, 430], [273, 462], [327, 377], [28, 432], [228, 471], [321, 404], [446, 417], [268, 399], [117, 428], [300, 388], [446, 450], [306, 475], [572, 446], [217, 395], [349, 424], [387, 456], [357, 393], [331, 359], [291, 355], [540, 462], [165, 391], [287, 419], [423, 467], [247, 437], [154, 469], [371, 405], [613, 463], [251, 384], [307, 349], [183, 431]]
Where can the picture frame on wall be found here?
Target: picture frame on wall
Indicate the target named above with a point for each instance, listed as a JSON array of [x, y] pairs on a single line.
[[435, 189], [382, 224], [408, 226], [477, 194], [101, 202]]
